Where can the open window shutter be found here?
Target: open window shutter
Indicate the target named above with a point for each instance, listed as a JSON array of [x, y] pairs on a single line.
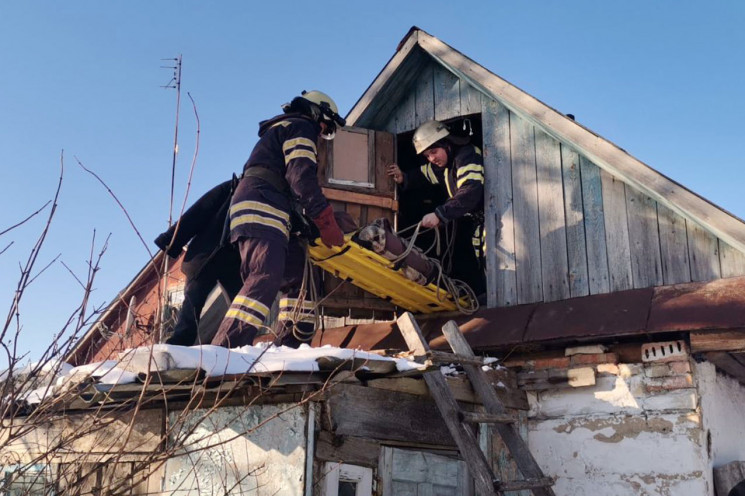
[[351, 170]]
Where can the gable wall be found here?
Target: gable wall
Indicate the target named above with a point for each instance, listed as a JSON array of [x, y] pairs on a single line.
[[564, 227]]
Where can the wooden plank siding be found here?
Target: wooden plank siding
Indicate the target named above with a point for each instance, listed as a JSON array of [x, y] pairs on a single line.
[[525, 207], [554, 261], [703, 251], [616, 232], [646, 262], [435, 94], [425, 96], [673, 246], [447, 94], [575, 226], [558, 226], [500, 225], [592, 203]]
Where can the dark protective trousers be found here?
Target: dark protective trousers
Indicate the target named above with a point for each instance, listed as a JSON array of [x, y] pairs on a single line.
[[222, 270], [268, 266]]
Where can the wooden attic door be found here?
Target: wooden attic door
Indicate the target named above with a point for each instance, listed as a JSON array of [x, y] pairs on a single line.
[[351, 171]]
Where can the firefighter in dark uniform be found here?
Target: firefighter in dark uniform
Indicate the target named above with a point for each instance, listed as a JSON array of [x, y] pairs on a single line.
[[457, 167], [280, 171], [207, 260]]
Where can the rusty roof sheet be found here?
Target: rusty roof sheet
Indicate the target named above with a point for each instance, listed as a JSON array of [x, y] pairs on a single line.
[[716, 305]]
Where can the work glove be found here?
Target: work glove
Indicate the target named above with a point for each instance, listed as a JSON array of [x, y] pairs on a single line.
[[162, 242], [331, 235]]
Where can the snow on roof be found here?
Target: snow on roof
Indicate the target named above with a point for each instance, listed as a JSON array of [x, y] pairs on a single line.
[[215, 361]]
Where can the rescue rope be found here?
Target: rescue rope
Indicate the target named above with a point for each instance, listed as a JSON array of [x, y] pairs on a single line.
[[460, 290]]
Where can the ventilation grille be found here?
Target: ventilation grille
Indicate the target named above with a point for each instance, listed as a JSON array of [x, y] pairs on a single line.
[[664, 352]]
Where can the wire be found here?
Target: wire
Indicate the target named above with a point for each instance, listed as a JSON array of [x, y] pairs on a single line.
[[464, 297]]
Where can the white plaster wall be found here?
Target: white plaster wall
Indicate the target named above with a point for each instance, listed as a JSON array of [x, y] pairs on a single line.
[[618, 439], [722, 401], [256, 450]]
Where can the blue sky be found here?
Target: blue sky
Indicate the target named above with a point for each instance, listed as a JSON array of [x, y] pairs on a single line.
[[664, 80]]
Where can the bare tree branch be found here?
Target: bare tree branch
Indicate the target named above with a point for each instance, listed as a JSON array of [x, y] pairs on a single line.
[[121, 206], [24, 220]]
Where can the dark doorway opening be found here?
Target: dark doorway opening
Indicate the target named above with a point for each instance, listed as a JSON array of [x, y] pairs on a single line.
[[414, 204]]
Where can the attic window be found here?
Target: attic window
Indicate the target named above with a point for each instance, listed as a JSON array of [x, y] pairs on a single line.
[[351, 164]]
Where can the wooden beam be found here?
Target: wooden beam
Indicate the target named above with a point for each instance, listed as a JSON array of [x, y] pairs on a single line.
[[460, 386], [602, 152], [333, 194], [717, 341], [347, 449], [487, 418]]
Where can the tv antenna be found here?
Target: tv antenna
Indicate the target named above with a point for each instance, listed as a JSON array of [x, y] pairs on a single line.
[[174, 83]]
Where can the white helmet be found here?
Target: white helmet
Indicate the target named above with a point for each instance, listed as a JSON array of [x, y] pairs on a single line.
[[328, 111], [428, 134]]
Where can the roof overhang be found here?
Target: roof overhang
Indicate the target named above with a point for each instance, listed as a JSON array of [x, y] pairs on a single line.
[[692, 307]]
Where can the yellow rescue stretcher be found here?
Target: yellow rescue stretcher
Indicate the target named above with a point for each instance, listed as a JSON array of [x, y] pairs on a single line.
[[376, 274]]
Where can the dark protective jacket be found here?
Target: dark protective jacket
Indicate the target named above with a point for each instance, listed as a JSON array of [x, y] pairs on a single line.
[[203, 224], [287, 148], [462, 179]]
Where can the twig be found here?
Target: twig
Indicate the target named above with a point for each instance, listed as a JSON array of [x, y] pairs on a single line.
[[24, 220], [121, 206], [6, 248]]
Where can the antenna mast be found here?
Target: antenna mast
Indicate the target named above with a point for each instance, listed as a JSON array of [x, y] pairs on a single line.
[[174, 83]]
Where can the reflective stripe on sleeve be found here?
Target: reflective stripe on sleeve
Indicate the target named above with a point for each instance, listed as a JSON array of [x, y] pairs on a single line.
[[429, 173], [260, 207], [473, 176], [240, 220], [300, 154], [292, 143]]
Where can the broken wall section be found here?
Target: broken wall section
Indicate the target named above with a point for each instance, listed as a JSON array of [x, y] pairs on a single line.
[[618, 429]]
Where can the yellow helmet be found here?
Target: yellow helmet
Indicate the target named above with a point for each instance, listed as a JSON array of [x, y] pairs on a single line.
[[428, 134]]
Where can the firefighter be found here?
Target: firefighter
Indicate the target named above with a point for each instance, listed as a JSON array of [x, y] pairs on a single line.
[[279, 175], [207, 261], [457, 167]]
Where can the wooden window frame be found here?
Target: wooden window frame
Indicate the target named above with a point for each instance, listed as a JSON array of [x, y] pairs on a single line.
[[335, 472]]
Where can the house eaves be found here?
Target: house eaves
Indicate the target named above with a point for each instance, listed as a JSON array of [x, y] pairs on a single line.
[[708, 307], [390, 84]]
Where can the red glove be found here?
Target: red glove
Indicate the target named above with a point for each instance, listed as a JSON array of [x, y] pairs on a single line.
[[331, 235]]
